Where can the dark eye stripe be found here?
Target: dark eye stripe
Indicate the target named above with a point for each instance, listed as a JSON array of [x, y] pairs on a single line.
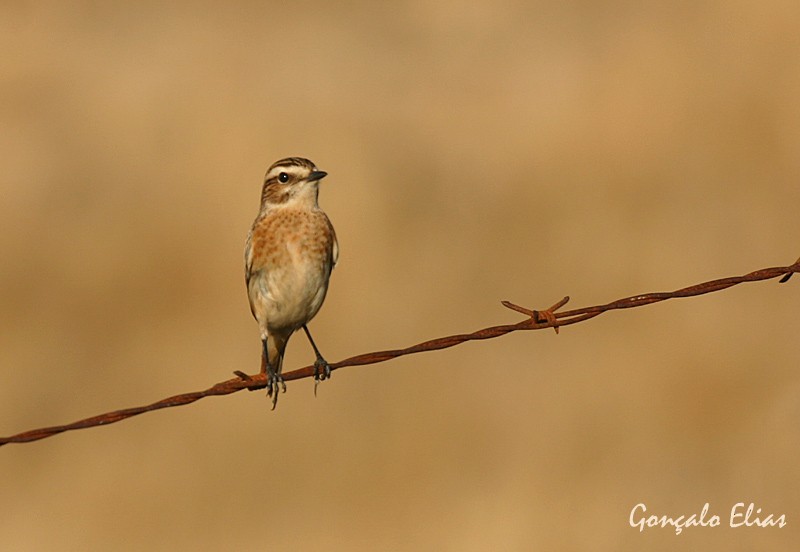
[[292, 167]]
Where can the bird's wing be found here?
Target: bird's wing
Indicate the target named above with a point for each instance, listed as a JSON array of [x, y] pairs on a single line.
[[248, 257], [248, 269], [335, 252]]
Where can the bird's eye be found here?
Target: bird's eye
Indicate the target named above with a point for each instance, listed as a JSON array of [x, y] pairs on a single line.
[[283, 177]]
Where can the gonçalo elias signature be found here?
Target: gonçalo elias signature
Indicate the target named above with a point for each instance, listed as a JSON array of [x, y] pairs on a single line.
[[740, 515]]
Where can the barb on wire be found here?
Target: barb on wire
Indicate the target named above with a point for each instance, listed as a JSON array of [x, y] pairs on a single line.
[[536, 320]]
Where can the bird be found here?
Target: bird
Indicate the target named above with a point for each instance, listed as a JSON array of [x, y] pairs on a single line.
[[289, 254]]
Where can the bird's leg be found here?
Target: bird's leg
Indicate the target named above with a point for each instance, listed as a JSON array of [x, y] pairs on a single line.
[[274, 379], [322, 370]]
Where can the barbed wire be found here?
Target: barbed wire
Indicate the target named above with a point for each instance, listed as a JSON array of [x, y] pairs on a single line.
[[536, 320]]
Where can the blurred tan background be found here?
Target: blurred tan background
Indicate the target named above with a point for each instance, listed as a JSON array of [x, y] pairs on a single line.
[[496, 150]]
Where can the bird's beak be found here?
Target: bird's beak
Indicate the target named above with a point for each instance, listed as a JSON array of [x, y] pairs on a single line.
[[317, 175]]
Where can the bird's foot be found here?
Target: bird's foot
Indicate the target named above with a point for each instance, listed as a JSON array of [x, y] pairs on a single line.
[[322, 371], [275, 384]]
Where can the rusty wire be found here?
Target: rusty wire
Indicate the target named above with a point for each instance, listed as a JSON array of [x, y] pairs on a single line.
[[536, 320]]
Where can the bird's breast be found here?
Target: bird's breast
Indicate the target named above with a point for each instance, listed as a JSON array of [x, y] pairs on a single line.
[[292, 258]]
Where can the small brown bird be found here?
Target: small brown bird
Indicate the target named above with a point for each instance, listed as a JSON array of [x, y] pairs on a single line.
[[290, 252]]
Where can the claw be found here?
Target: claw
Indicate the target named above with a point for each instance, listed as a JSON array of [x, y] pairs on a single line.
[[274, 381], [321, 364]]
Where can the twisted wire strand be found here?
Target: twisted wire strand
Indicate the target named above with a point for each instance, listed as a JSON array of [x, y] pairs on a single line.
[[537, 320]]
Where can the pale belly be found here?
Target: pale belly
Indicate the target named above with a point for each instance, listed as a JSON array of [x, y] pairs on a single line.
[[290, 296]]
